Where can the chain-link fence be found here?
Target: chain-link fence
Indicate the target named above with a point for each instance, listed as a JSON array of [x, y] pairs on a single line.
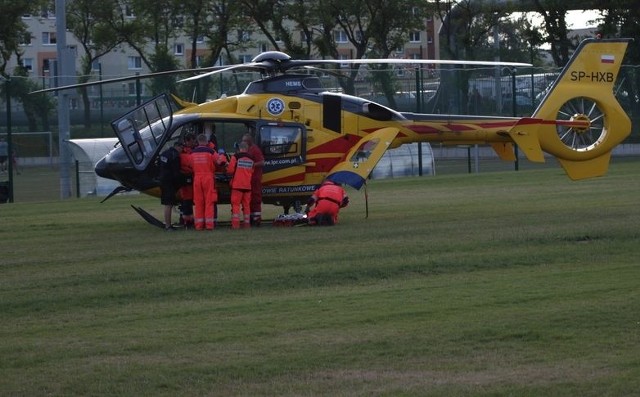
[[461, 90]]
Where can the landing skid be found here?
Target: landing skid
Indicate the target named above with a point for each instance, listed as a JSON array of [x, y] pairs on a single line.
[[148, 217], [152, 220]]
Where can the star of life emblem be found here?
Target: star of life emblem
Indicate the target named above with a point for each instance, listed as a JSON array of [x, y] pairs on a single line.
[[275, 106]]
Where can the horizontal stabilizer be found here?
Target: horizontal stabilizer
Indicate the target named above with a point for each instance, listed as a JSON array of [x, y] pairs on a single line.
[[525, 135]]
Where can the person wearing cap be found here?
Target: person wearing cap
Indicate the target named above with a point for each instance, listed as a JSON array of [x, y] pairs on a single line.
[[325, 204], [170, 177]]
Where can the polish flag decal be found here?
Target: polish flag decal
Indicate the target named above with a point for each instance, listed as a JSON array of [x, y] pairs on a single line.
[[607, 58]]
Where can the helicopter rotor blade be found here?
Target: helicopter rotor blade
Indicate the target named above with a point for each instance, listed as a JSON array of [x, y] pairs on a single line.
[[262, 67], [274, 62], [406, 61], [125, 78]]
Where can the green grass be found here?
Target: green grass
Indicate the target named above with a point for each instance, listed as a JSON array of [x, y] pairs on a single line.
[[501, 283]]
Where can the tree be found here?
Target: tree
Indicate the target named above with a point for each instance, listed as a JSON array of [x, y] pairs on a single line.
[[554, 13], [155, 22], [89, 22], [468, 35], [620, 19], [215, 21], [372, 27], [35, 107], [274, 17], [389, 31], [13, 30]]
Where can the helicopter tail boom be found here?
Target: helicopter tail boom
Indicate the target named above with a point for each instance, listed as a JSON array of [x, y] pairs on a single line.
[[580, 120]]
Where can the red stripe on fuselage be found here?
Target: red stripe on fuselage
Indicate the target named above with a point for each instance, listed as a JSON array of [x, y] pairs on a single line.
[[341, 144]]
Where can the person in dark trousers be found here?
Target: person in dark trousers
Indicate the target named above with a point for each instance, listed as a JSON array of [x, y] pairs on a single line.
[[4, 154], [170, 178], [325, 204], [256, 179], [186, 190]]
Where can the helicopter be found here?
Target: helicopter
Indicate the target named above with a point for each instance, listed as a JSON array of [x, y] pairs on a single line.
[[309, 135]]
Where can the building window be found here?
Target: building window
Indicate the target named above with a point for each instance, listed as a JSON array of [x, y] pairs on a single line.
[[340, 36], [262, 47], [244, 35], [49, 38], [245, 58], [25, 39], [134, 63], [131, 89], [414, 37], [27, 63], [344, 65], [200, 60], [178, 49], [128, 12]]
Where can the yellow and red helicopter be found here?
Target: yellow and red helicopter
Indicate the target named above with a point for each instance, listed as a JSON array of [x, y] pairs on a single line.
[[308, 134]]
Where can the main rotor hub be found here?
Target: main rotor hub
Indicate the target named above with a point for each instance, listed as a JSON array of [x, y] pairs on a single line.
[[275, 56]]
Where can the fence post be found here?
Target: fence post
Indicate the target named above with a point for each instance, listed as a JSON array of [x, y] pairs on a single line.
[[77, 179], [7, 90]]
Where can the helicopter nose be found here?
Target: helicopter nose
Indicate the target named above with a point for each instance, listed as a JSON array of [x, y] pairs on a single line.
[[102, 169]]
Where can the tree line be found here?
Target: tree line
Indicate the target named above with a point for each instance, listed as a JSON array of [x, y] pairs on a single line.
[[302, 28]]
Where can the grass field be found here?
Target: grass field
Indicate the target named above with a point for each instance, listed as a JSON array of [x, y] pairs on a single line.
[[500, 283]]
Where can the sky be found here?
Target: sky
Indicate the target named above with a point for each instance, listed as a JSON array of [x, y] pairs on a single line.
[[579, 19]]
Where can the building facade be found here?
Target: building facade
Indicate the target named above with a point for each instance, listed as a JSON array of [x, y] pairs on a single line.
[[39, 52]]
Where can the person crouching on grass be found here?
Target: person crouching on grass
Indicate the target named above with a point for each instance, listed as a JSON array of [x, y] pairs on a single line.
[[325, 204]]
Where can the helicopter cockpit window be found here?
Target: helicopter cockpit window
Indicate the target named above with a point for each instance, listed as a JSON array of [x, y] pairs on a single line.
[[364, 151], [141, 130], [281, 140]]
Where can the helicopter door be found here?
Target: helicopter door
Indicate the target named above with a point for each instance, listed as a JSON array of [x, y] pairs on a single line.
[[142, 130], [362, 158], [284, 149]]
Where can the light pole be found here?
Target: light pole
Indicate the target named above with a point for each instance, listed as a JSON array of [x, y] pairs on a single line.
[[66, 69]]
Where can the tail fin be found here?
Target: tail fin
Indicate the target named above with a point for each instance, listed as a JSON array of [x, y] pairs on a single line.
[[580, 120]]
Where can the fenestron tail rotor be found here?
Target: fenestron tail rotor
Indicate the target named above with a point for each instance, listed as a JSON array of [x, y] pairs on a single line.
[[582, 121], [589, 115]]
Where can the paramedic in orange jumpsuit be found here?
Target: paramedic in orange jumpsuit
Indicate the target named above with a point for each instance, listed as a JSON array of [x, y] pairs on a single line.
[[325, 203], [241, 170], [186, 191], [256, 180], [203, 163]]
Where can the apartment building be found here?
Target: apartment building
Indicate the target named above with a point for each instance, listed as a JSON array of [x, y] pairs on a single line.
[[40, 55]]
